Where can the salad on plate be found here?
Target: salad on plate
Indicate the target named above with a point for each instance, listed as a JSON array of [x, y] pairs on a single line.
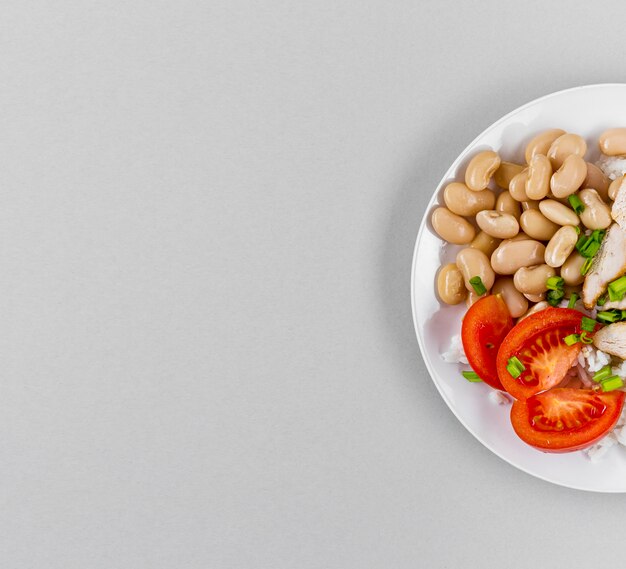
[[541, 266]]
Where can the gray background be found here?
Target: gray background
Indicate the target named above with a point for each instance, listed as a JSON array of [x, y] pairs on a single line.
[[207, 216]]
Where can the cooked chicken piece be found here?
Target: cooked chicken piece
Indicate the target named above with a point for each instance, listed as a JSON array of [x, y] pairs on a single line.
[[612, 339], [608, 264], [619, 304], [618, 211]]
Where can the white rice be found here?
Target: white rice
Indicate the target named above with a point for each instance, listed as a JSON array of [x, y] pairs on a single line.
[[620, 369], [592, 359], [580, 307], [455, 353], [612, 166], [596, 452]]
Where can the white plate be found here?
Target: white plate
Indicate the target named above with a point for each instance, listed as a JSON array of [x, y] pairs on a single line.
[[584, 110]]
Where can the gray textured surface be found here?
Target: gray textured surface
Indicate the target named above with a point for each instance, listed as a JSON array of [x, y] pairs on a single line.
[[207, 220]]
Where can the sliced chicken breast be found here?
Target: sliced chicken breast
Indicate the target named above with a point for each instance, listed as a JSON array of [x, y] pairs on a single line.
[[618, 211], [612, 339], [608, 264]]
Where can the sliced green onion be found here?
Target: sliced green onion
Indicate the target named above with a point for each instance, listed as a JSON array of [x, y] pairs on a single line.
[[571, 339], [581, 241], [603, 374], [601, 301], [609, 316], [588, 324], [555, 283], [617, 289], [586, 266], [554, 297], [515, 367], [478, 285], [576, 204], [572, 300], [589, 249], [597, 235], [577, 229], [471, 376], [612, 383], [586, 339]]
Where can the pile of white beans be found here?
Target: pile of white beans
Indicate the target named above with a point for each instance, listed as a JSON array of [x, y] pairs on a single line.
[[517, 222]]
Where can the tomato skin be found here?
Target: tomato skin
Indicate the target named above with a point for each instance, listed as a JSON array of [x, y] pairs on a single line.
[[538, 342], [565, 420], [485, 325]]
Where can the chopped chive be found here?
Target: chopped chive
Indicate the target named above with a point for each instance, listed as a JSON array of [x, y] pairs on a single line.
[[471, 376], [603, 374], [617, 289], [581, 242], [601, 301], [478, 286], [572, 300], [597, 235], [576, 204], [586, 266], [554, 297], [515, 367], [586, 339], [571, 339], [589, 249], [588, 324], [609, 316], [555, 283], [612, 383]]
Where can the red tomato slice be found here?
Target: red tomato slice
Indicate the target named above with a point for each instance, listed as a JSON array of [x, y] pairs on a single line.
[[485, 325], [565, 420], [537, 341]]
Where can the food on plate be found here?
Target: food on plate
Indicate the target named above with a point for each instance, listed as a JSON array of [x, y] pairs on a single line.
[[564, 146], [505, 173], [480, 169], [608, 264], [485, 325], [452, 227], [612, 142], [597, 180], [538, 178], [564, 419], [536, 345], [497, 224], [569, 177], [616, 186], [540, 261], [561, 245], [618, 211], [513, 254], [595, 214], [612, 340], [450, 285], [537, 226], [515, 301], [461, 200]]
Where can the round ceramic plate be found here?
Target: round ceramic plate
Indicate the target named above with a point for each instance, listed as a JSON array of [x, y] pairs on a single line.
[[587, 111]]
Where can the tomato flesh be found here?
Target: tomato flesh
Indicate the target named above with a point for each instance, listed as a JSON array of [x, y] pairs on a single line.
[[537, 341], [485, 325], [565, 419]]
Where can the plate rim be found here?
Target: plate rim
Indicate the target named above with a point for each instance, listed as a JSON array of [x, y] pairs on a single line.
[[420, 341]]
